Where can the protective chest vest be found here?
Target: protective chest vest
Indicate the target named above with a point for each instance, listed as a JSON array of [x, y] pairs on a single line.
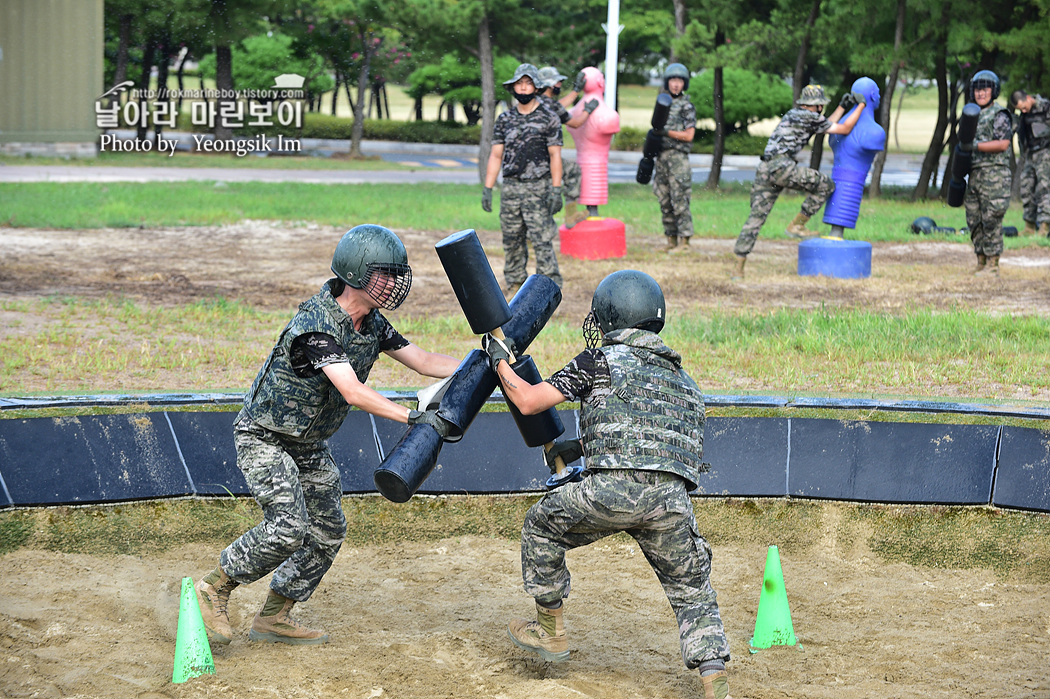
[[652, 421], [985, 132], [1036, 124], [310, 408]]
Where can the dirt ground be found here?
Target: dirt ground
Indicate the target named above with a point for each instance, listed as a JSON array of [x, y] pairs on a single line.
[[428, 620], [277, 265]]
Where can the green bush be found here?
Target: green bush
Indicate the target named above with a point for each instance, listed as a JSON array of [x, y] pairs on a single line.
[[316, 125]]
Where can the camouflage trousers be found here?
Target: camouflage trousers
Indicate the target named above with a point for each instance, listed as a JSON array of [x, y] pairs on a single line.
[[525, 217], [773, 177], [571, 176], [655, 509], [673, 186], [299, 489], [1035, 187], [986, 201]]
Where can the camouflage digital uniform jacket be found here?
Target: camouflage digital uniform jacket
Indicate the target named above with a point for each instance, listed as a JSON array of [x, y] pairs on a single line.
[[673, 175], [525, 201], [525, 139], [1034, 136], [642, 423], [281, 438], [653, 420], [779, 171], [311, 408], [988, 185]]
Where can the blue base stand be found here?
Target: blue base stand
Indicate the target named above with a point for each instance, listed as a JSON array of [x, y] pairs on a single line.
[[834, 257]]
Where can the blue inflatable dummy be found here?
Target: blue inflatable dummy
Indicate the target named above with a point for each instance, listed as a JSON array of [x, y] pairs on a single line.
[[853, 156]]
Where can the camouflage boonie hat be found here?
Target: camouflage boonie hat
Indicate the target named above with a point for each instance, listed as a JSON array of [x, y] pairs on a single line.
[[812, 95], [525, 69], [549, 77]]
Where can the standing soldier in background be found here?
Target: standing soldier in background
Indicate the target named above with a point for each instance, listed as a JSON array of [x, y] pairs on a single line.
[[673, 178], [779, 171], [988, 186], [300, 397], [526, 143], [1033, 134], [550, 86], [642, 431]]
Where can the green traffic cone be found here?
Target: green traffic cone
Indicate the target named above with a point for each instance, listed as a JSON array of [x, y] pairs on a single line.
[[192, 651], [773, 622]]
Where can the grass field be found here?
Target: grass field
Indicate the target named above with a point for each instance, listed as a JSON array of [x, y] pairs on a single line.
[[65, 344], [435, 206]]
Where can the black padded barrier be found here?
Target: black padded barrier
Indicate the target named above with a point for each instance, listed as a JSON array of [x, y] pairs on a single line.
[[112, 458], [1023, 477], [90, 459], [205, 441], [207, 446], [748, 457], [893, 462]]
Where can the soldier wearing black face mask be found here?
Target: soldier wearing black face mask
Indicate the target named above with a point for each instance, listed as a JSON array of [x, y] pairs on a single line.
[[526, 144]]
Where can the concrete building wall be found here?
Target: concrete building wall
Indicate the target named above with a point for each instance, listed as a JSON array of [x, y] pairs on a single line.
[[50, 74]]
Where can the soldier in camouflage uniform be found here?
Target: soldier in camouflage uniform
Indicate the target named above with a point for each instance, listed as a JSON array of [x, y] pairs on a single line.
[[779, 171], [673, 177], [550, 88], [642, 432], [300, 397], [526, 143], [988, 186], [1034, 136]]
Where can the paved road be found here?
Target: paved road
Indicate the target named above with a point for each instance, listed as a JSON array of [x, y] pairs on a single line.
[[429, 163]]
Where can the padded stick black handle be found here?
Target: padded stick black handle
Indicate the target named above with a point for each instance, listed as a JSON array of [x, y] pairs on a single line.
[[472, 278], [412, 459]]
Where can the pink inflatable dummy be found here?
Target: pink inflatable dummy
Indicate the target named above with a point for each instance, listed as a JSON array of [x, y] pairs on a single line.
[[592, 141]]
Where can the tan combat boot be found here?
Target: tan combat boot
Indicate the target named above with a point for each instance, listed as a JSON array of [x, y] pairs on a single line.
[[1029, 228], [573, 214], [991, 268], [1043, 230], [797, 228], [213, 597], [716, 686], [738, 271], [275, 625], [546, 636], [683, 246], [671, 243], [982, 261]]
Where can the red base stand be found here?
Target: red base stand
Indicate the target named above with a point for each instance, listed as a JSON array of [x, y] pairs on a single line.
[[594, 238]]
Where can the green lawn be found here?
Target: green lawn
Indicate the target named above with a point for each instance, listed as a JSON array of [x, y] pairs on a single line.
[[435, 206]]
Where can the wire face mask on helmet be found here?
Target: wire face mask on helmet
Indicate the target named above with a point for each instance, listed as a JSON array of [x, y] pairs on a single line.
[[371, 258], [388, 284], [984, 80], [592, 334]]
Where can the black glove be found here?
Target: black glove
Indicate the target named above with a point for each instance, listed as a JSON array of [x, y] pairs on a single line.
[[659, 132], [486, 200], [590, 105], [555, 200], [568, 449], [430, 417], [847, 102], [580, 82], [859, 98], [497, 349]]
